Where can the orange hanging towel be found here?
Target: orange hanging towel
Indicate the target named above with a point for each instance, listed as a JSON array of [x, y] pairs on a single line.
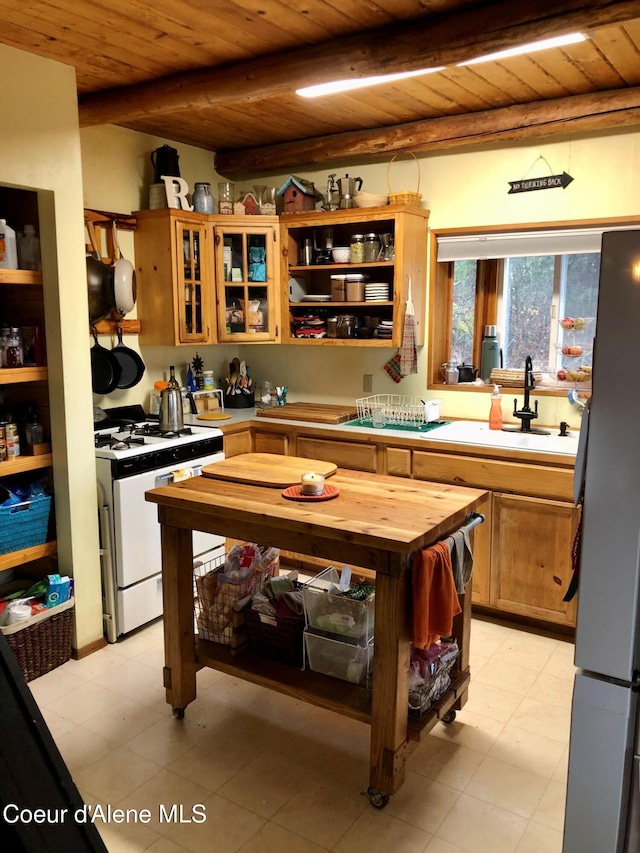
[[435, 600]]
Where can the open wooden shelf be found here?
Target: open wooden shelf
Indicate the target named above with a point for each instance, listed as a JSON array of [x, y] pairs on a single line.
[[25, 463], [20, 277], [13, 375], [26, 555], [306, 685]]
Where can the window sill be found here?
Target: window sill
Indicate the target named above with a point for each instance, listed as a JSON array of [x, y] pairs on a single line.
[[539, 390]]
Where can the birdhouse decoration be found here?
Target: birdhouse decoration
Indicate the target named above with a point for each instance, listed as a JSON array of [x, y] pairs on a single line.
[[299, 195], [251, 204]]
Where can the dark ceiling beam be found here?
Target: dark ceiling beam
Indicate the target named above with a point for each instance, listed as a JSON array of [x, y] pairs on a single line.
[[575, 114], [425, 43]]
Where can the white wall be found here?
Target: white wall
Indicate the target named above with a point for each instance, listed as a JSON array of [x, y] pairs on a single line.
[[41, 151]]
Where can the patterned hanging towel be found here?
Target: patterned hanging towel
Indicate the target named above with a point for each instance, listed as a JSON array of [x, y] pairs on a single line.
[[408, 353], [393, 367]]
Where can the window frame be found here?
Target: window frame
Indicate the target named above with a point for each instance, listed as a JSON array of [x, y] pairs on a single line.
[[487, 292]]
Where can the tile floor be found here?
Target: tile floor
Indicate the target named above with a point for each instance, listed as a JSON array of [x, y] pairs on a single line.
[[280, 776]]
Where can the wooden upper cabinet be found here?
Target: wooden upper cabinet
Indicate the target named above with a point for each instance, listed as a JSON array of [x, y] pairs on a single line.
[[247, 255], [402, 226], [175, 280]]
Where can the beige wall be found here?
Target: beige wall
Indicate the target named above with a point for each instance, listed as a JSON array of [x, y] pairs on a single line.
[[41, 151], [467, 187]]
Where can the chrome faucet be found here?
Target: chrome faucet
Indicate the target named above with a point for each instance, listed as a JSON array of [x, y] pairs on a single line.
[[526, 414]]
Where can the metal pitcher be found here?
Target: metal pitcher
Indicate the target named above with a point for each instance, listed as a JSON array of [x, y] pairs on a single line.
[[165, 162], [171, 418], [347, 187]]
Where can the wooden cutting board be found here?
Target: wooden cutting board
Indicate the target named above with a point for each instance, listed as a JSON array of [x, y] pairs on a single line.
[[323, 413], [259, 469]]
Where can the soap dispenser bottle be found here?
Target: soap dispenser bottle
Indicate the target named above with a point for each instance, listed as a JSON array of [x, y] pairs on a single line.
[[495, 412]]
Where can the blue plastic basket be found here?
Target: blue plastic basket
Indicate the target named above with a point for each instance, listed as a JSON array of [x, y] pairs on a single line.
[[25, 524]]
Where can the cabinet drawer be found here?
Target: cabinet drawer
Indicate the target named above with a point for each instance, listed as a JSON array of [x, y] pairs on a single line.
[[345, 454], [269, 442], [238, 442], [398, 461], [537, 480]]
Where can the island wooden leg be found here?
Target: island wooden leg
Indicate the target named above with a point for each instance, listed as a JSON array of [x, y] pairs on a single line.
[[179, 635], [389, 712]]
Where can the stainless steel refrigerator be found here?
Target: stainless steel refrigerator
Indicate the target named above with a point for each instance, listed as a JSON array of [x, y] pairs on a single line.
[[603, 807]]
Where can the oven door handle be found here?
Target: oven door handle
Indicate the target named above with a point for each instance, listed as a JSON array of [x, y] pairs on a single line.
[[170, 477]]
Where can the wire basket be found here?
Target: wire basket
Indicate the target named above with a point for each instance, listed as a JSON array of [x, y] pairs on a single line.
[[422, 697], [219, 601], [398, 409], [24, 524]]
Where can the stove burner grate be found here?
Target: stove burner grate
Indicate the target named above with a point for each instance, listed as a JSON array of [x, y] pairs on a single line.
[[155, 431], [117, 441]]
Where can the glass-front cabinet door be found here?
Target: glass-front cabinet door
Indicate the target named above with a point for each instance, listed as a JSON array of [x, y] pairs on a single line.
[[193, 281], [246, 281]]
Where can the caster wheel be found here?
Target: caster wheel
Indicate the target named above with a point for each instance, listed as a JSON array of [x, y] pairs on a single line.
[[377, 799], [449, 717], [178, 713]]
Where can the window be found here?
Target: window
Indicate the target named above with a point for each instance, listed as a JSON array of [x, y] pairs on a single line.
[[525, 283]]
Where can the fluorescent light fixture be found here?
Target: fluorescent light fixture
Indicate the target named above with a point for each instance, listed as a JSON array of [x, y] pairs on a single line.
[[559, 41], [359, 83]]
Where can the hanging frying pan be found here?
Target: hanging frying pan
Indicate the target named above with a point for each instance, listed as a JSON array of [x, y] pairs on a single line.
[[131, 364], [105, 368]]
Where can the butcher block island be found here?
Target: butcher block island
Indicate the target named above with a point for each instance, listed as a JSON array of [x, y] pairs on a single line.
[[376, 522]]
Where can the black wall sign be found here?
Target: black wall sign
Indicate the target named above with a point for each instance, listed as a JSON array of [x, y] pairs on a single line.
[[550, 182]]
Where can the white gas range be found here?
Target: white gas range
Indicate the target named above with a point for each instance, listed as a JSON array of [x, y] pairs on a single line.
[[133, 456]]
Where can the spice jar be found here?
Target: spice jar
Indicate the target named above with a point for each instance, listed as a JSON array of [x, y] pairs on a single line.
[[15, 349], [356, 255], [371, 248], [332, 327]]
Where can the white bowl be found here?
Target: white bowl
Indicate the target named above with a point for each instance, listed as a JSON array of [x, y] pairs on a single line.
[[341, 254], [364, 199]]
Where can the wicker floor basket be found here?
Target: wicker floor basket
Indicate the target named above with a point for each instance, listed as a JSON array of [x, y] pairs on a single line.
[[43, 642]]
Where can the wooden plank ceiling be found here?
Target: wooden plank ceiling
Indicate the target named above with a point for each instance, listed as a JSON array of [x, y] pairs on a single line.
[[222, 75]]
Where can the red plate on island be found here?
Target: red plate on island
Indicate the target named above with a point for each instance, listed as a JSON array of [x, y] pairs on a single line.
[[294, 493]]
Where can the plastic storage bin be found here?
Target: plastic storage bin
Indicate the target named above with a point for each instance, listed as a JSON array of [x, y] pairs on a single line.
[[338, 615], [25, 524], [346, 659]]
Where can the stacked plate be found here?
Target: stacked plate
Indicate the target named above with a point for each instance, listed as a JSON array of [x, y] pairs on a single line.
[[385, 329], [376, 291]]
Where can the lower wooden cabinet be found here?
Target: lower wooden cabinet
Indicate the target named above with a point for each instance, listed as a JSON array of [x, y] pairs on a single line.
[[522, 552], [531, 557], [236, 443]]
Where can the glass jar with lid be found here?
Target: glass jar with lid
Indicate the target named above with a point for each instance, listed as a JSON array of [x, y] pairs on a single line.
[[371, 248], [332, 327], [346, 326], [357, 249], [15, 348]]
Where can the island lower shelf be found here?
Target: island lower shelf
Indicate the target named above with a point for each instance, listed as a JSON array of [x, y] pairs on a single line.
[[322, 690]]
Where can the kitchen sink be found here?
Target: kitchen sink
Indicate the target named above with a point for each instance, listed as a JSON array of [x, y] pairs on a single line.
[[476, 432]]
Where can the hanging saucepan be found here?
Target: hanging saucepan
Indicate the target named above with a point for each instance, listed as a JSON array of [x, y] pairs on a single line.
[[99, 282], [131, 364], [105, 368], [124, 279]]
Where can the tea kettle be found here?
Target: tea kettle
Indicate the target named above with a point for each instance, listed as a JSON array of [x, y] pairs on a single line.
[[165, 162], [171, 417], [347, 188]]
